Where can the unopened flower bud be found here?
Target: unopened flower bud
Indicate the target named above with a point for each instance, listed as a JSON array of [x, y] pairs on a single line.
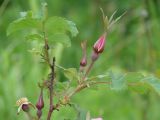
[[100, 43], [83, 61], [40, 103]]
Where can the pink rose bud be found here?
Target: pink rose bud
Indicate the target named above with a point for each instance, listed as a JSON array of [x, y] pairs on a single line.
[[100, 43], [40, 103]]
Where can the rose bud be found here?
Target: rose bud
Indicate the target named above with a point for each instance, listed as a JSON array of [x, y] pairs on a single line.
[[83, 61], [100, 43], [40, 103]]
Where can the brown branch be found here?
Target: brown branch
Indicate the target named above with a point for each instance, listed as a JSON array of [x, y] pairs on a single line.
[[51, 108], [52, 74]]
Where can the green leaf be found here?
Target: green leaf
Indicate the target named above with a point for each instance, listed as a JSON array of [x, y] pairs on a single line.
[[133, 77], [60, 25], [71, 74], [153, 82], [58, 28], [140, 88], [72, 28], [135, 82], [24, 23], [59, 38], [118, 81], [34, 37]]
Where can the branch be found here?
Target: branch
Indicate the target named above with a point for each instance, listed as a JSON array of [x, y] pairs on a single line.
[[52, 74], [51, 108]]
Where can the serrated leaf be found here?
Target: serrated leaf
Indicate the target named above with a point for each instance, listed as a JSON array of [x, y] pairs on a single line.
[[154, 83], [34, 37], [71, 74], [135, 82], [133, 77], [26, 22], [118, 81], [72, 28], [140, 88], [60, 25], [59, 38], [56, 25], [58, 28]]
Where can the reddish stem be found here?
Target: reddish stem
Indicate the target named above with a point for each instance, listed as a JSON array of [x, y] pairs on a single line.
[[51, 107]]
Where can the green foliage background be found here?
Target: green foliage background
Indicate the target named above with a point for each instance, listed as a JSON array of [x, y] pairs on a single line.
[[133, 45]]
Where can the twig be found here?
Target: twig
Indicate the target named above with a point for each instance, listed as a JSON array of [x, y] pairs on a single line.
[[51, 108], [83, 86], [88, 70], [52, 74]]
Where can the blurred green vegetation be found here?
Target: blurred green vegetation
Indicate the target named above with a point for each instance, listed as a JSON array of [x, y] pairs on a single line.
[[133, 45]]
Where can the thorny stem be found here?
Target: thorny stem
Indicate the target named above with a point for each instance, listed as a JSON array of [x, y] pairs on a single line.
[[51, 108], [52, 74]]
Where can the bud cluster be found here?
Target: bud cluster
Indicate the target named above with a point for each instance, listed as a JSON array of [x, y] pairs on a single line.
[[98, 48]]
